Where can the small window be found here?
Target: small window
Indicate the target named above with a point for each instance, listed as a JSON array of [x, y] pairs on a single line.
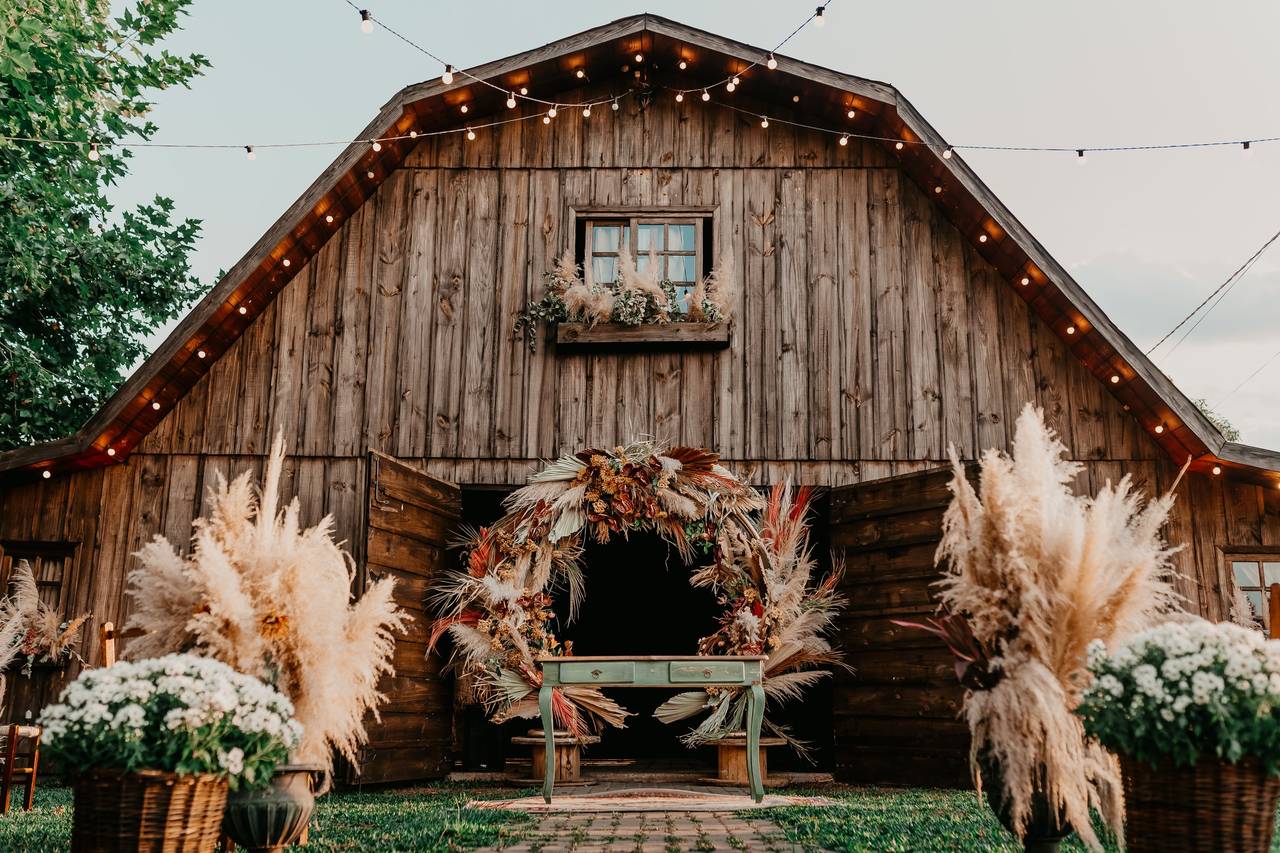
[[1254, 575], [674, 243], [49, 566]]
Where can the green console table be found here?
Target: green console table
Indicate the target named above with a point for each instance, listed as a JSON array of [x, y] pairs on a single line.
[[672, 672]]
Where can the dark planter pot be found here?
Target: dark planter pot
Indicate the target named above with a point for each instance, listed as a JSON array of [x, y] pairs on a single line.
[[1045, 829], [272, 818]]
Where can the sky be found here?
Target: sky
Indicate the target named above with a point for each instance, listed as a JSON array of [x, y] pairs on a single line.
[[1148, 235]]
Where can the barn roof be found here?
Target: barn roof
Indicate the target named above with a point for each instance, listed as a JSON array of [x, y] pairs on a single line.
[[882, 115]]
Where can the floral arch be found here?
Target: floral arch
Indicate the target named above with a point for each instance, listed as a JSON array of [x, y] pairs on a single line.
[[752, 551]]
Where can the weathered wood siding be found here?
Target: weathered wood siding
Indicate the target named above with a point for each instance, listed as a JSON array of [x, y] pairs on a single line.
[[867, 338]]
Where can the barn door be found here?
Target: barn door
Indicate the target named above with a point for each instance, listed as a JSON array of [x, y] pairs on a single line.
[[412, 518], [895, 714]]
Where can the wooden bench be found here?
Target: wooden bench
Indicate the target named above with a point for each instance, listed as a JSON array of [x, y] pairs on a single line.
[[680, 673], [30, 758]]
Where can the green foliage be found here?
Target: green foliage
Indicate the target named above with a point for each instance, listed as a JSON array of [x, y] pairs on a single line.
[[1187, 691], [1228, 429], [81, 284], [179, 714]]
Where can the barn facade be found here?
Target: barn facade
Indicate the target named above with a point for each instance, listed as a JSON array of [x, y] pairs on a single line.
[[888, 306]]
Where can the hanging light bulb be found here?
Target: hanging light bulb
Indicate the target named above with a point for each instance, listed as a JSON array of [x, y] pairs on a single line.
[[898, 145], [287, 263], [706, 96], [447, 76], [818, 19], [764, 121], [772, 63], [464, 109], [982, 238], [844, 140], [1217, 469], [1115, 379], [413, 134], [1026, 280], [1071, 330], [937, 189], [243, 310], [946, 155], [852, 113], [369, 174], [615, 105], [524, 90], [546, 119], [377, 146], [552, 112], [679, 97], [93, 151], [248, 153], [1159, 428], [1080, 156], [639, 57], [471, 135], [201, 354], [586, 111], [366, 21], [46, 473], [683, 65], [580, 73], [511, 101], [111, 451], [328, 218], [155, 405]]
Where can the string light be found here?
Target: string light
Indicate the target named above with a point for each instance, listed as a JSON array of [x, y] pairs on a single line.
[[369, 174], [377, 146], [1026, 280], [679, 97], [286, 263], [733, 84], [111, 451], [471, 135], [1159, 428], [851, 114], [201, 354], [155, 404], [552, 112], [946, 155], [580, 73], [464, 109], [615, 105], [898, 145], [243, 310], [844, 140], [683, 65], [366, 22], [524, 90], [447, 76], [1217, 469], [93, 151], [772, 63], [413, 134], [818, 19], [937, 189], [1071, 330], [511, 101], [764, 121], [329, 218], [248, 153], [706, 96], [982, 238], [1115, 379], [46, 473], [639, 57], [546, 119]]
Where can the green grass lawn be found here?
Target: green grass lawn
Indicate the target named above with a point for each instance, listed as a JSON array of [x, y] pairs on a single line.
[[426, 818]]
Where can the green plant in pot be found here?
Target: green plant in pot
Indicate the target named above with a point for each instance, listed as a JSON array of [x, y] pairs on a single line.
[[156, 746], [1193, 710], [1034, 572], [273, 599]]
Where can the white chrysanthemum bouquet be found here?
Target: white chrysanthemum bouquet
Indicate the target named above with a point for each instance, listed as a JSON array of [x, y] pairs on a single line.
[[1187, 691], [179, 714]]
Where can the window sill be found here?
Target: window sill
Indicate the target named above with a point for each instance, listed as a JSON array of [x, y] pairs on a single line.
[[617, 337]]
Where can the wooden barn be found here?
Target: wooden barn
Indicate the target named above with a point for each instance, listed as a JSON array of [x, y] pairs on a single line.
[[888, 306]]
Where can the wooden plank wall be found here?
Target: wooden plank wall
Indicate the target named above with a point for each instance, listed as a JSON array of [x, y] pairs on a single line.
[[868, 337]]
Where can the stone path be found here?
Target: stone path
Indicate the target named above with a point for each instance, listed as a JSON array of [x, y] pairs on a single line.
[[642, 832]]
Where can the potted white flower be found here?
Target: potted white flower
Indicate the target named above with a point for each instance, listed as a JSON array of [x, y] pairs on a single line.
[[1193, 710], [157, 744]]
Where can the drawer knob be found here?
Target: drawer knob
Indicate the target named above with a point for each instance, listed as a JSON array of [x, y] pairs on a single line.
[[706, 673], [595, 673]]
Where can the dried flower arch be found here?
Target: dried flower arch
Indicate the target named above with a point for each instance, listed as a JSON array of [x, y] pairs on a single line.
[[497, 606]]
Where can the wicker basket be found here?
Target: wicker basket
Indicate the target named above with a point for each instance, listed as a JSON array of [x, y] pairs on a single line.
[[1209, 806], [149, 810]]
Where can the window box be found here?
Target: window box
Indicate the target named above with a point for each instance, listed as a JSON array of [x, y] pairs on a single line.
[[617, 337]]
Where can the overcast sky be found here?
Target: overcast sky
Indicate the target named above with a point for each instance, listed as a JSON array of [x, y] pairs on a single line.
[[1148, 235]]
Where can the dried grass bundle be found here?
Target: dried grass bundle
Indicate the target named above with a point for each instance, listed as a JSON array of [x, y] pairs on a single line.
[[716, 292], [645, 283], [272, 599], [1039, 572], [31, 628]]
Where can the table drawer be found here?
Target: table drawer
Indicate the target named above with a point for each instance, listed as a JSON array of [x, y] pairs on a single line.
[[717, 671], [615, 672]]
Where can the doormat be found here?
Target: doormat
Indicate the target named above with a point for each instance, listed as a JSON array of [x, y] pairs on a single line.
[[648, 800]]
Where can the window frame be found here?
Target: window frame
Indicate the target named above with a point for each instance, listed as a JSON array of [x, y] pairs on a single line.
[[41, 554], [1259, 555]]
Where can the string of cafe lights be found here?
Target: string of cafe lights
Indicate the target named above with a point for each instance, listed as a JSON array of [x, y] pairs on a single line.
[[729, 85]]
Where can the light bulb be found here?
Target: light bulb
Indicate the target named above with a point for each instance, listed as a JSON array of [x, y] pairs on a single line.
[[201, 353], [447, 76], [287, 263], [413, 134], [683, 65], [982, 238], [844, 140], [552, 112], [1026, 280], [938, 189], [898, 145], [524, 90], [546, 119], [329, 218], [1115, 379], [639, 57], [615, 105], [464, 109], [946, 155], [511, 101], [1071, 330], [586, 111], [111, 451], [1080, 156], [1159, 428], [377, 146], [730, 86], [772, 63], [764, 121], [471, 135], [818, 19], [851, 114], [580, 73], [366, 22], [46, 473], [156, 405], [248, 153], [679, 97], [369, 174], [93, 152], [1217, 469], [243, 310], [706, 96]]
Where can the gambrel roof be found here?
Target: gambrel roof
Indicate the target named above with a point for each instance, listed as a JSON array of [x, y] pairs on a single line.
[[882, 115]]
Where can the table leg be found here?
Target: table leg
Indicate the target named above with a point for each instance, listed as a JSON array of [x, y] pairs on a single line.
[[755, 713], [549, 732]]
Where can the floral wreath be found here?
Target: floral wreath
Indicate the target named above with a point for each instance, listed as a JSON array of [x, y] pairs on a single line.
[[753, 553]]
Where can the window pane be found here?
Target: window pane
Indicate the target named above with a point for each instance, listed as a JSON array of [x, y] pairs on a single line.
[[682, 299], [682, 267], [1246, 572], [642, 264], [681, 238], [1255, 603], [1271, 572], [604, 270], [605, 238], [649, 236]]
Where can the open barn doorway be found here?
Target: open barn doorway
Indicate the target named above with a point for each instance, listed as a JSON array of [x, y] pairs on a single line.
[[639, 601]]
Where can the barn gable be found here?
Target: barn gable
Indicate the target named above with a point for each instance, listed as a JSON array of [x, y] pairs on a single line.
[[305, 244]]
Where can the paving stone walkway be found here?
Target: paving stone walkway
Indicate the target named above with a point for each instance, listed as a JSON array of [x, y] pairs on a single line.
[[643, 832]]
